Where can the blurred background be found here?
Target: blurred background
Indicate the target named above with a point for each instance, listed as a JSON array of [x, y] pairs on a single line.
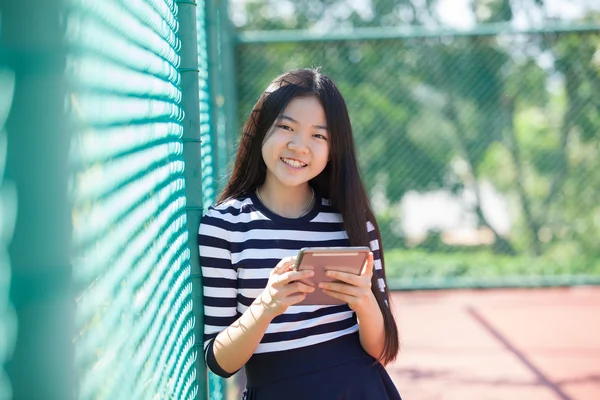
[[477, 124], [478, 129]]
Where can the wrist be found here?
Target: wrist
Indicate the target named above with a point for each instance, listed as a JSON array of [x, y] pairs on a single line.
[[367, 307], [267, 306]]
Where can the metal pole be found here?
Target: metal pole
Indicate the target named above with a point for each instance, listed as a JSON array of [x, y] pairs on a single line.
[[193, 171], [42, 366], [229, 83], [212, 34], [405, 32], [211, 23]]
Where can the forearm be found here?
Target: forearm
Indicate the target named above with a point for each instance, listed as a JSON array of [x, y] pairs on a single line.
[[234, 346], [371, 328]]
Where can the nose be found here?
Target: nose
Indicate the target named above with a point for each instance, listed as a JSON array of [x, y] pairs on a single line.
[[298, 145]]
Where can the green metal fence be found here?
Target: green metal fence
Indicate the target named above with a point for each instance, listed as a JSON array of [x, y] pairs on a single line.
[[131, 266], [8, 204], [479, 147], [109, 172], [38, 136], [220, 53], [207, 150], [208, 67]]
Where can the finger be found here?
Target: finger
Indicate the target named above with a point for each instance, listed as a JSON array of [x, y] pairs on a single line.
[[368, 269], [296, 287], [340, 296], [345, 277], [292, 276], [341, 288], [284, 264], [295, 299]]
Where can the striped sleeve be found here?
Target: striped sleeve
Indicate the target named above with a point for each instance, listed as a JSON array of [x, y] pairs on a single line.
[[219, 280], [377, 256]]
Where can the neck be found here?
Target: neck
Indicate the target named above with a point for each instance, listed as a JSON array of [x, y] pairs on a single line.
[[289, 202]]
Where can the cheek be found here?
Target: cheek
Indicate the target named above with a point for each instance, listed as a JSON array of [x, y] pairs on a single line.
[[267, 149], [272, 145], [323, 154]]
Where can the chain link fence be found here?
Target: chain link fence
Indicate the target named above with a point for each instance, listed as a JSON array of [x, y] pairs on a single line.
[[101, 261], [8, 205], [131, 265], [209, 150], [479, 149]]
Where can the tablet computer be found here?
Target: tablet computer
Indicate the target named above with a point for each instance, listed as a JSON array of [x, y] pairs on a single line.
[[323, 259]]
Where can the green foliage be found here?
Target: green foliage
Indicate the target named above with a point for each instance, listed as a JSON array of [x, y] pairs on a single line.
[[482, 264], [519, 111]]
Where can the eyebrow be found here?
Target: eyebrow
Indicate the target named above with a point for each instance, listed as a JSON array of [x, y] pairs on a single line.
[[294, 121]]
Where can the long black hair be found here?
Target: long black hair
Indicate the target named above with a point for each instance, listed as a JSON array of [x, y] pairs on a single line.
[[340, 181]]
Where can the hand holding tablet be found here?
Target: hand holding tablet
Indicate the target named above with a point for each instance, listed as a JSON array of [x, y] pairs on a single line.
[[323, 259]]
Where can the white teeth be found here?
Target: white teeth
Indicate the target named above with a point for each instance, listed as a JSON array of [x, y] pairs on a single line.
[[293, 163]]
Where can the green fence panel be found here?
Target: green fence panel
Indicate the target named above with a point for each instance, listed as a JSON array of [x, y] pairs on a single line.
[[131, 267], [38, 138], [209, 148], [7, 213], [207, 152], [8, 210], [479, 147]]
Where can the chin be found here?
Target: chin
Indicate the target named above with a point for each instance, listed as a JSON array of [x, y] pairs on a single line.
[[294, 183]]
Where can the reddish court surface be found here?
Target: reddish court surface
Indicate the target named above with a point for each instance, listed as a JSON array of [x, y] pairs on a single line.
[[540, 344]]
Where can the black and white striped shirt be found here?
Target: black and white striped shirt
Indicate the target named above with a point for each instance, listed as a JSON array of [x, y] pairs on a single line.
[[241, 241]]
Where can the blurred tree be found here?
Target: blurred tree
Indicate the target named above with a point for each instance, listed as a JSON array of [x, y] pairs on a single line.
[[418, 105]]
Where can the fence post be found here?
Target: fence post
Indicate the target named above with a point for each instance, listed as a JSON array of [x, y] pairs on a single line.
[[214, 65], [193, 171], [229, 83], [42, 366]]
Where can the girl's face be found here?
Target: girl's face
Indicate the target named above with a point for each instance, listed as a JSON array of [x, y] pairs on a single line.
[[297, 148]]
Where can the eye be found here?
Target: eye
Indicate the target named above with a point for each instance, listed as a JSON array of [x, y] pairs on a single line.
[[283, 126], [319, 136]]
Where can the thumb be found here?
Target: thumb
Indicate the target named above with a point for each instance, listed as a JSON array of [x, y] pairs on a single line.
[[368, 269], [284, 264]]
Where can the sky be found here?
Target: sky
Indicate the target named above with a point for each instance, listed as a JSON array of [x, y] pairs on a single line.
[[453, 13], [457, 13]]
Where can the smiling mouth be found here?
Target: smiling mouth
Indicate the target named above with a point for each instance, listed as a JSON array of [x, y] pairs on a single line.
[[293, 163]]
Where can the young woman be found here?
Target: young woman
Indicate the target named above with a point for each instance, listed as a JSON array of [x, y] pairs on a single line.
[[295, 183]]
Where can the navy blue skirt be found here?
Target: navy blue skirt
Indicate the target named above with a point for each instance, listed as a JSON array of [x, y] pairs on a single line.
[[335, 370]]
